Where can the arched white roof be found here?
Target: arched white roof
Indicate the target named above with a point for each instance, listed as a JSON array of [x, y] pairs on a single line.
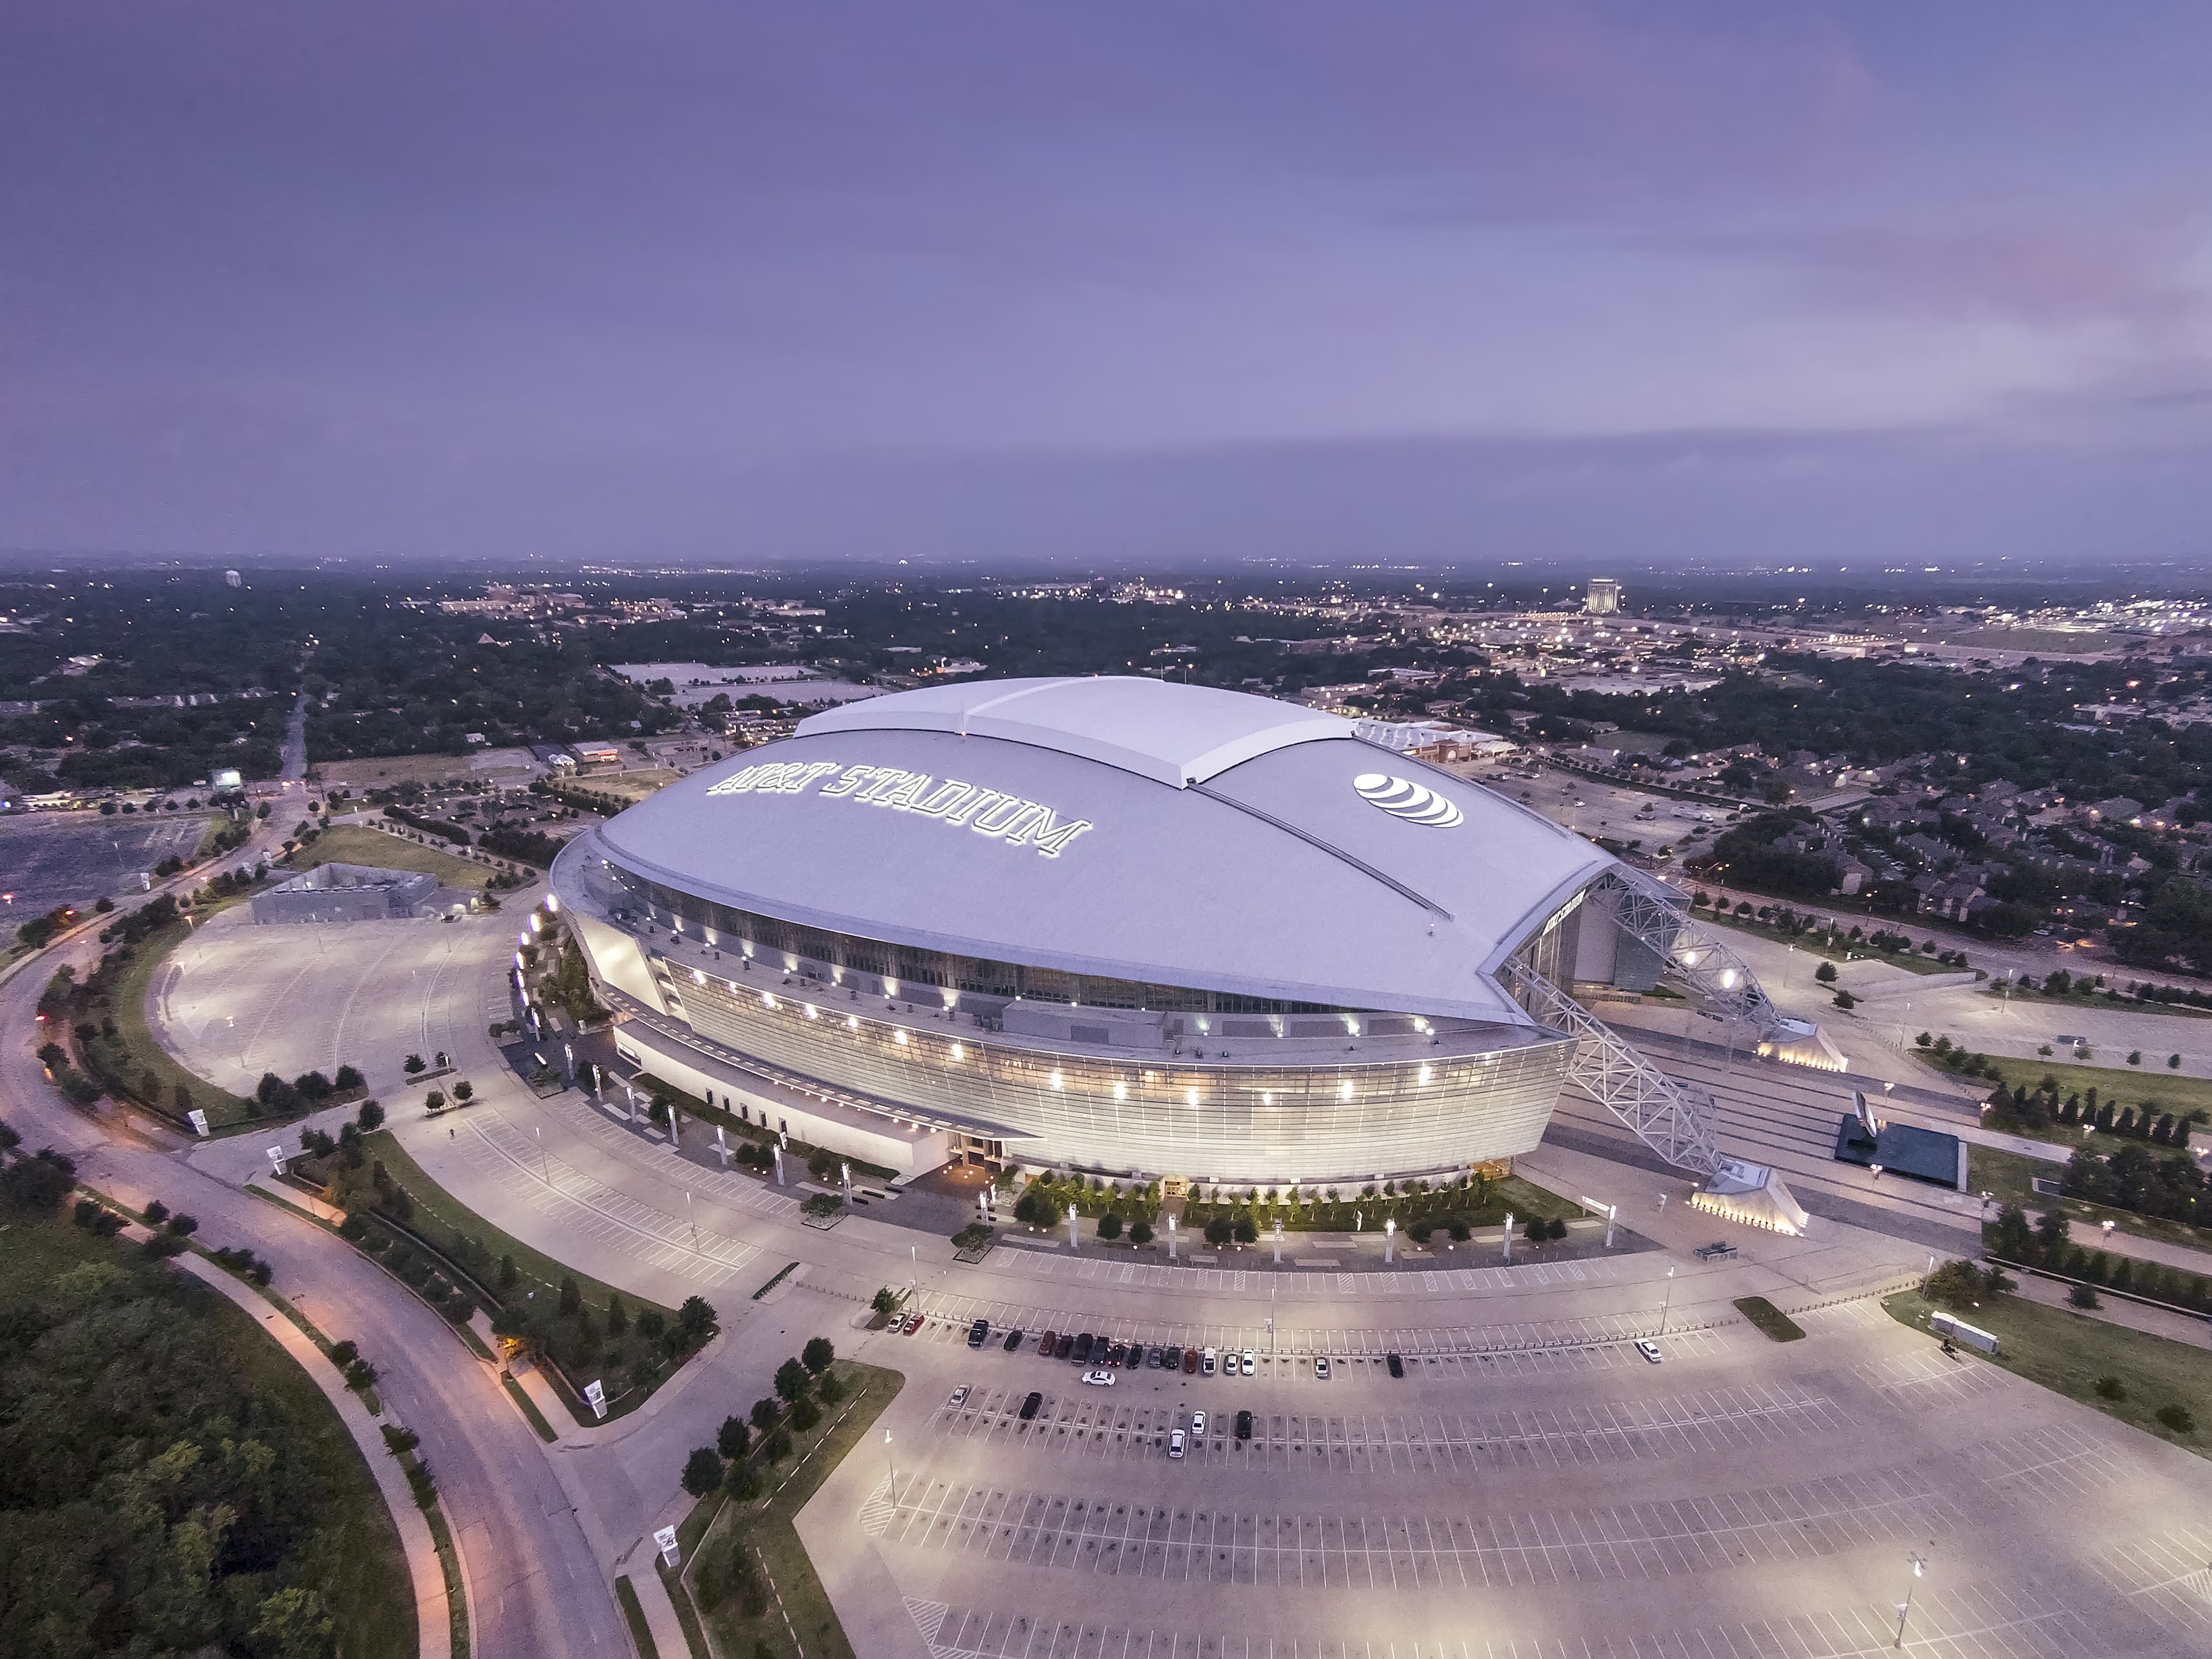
[[1176, 734], [1126, 828]]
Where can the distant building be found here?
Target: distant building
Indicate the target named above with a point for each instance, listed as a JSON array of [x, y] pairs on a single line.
[[348, 892], [1601, 598]]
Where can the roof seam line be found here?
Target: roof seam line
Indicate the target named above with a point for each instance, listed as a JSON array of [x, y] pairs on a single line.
[[1333, 850]]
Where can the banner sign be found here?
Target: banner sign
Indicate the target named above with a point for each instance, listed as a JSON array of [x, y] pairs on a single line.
[[596, 1392]]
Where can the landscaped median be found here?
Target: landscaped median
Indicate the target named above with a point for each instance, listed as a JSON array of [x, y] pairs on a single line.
[[744, 1585], [579, 1329]]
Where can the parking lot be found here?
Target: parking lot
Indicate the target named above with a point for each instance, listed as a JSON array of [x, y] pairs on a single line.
[[1738, 1498]]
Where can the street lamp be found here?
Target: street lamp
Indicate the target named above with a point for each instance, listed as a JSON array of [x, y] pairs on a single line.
[[891, 1465], [1904, 1608], [1665, 1300], [544, 1170]]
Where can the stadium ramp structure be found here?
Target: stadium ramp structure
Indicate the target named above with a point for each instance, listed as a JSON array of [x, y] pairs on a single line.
[[1675, 1120]]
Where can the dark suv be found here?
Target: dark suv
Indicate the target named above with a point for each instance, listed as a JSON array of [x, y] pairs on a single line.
[[1029, 1405], [1243, 1425], [977, 1332], [1084, 1344]]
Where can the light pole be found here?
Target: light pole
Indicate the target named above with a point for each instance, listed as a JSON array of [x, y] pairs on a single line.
[[913, 1288], [891, 1465], [1665, 1300], [544, 1170], [692, 1213], [1904, 1608]]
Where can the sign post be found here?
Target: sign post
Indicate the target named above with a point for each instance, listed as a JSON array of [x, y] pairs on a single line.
[[596, 1392], [275, 1160], [722, 1146], [664, 1540], [199, 1121], [778, 1150]]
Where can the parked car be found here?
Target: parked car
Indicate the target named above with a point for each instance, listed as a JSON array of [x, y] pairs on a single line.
[[1208, 1365], [1243, 1425], [1029, 1405], [1174, 1443], [1321, 1368], [1397, 1366], [1084, 1344], [1190, 1361], [1648, 1349], [1099, 1379], [959, 1397], [1118, 1354], [1066, 1346], [914, 1322], [1152, 1357], [1013, 1341], [1198, 1426], [1045, 1344], [1250, 1364], [977, 1332]]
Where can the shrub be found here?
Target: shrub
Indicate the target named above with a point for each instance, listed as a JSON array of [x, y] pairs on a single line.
[[414, 1065], [370, 1117], [743, 1482], [1220, 1230], [465, 1091], [1109, 1226], [776, 1447], [829, 1390], [884, 1302], [348, 1078], [2085, 1296], [805, 1414], [1557, 1229], [1826, 972], [696, 1318], [1248, 1231], [1141, 1231], [2177, 1418], [1420, 1231], [434, 1101]]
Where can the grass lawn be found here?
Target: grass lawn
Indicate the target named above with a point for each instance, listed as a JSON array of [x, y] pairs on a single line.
[[136, 1051], [368, 1586], [2129, 1086], [349, 843], [2006, 1176], [2068, 1352], [1769, 1319], [2097, 1001], [433, 1201], [765, 1524]]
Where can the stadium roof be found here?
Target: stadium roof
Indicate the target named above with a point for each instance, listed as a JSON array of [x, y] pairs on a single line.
[[1127, 828], [1176, 734]]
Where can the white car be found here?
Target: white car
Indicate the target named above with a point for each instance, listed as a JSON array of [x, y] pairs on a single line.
[[1321, 1368], [959, 1397], [1174, 1443], [1648, 1349], [1205, 1365], [1198, 1426], [1099, 1379], [1248, 1363]]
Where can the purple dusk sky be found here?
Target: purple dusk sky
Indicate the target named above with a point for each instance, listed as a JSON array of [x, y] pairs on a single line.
[[734, 281]]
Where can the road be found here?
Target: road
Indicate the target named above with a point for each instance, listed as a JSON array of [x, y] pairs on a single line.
[[534, 1580]]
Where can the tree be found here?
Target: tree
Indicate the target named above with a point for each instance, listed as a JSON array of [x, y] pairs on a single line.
[[2135, 1056], [818, 1353], [413, 1065], [703, 1471], [829, 1390], [38, 1184], [885, 1302], [617, 1315], [2052, 1229], [1140, 1232], [1109, 1226], [572, 1299], [1248, 1231], [2173, 1062], [696, 1318], [766, 1413], [348, 1078], [465, 1091], [508, 1277], [1220, 1230], [434, 1101], [1558, 1229], [1826, 972], [1846, 1000], [370, 1117], [2176, 1418], [734, 1437], [790, 1379]]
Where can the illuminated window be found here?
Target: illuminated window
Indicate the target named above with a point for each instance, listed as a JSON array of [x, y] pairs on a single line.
[[1056, 1082], [1191, 1094], [959, 1053], [768, 1000], [899, 1037], [1344, 1091]]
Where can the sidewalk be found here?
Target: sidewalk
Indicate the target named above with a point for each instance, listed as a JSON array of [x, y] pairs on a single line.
[[430, 1606], [2116, 1311]]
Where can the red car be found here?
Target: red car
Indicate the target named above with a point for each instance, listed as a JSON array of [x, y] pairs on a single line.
[[914, 1322], [1045, 1342], [1189, 1362]]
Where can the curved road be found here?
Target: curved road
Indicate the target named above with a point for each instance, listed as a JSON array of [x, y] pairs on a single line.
[[534, 1583]]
